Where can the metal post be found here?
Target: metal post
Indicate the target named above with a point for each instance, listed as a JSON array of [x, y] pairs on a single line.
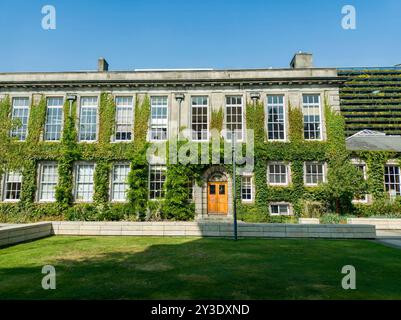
[[233, 147]]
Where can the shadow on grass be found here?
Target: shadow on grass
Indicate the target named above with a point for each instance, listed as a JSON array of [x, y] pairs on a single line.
[[193, 268]]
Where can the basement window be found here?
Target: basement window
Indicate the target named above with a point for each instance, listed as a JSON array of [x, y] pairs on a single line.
[[280, 209]]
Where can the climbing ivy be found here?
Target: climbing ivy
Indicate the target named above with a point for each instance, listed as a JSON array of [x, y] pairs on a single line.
[[217, 118], [176, 205]]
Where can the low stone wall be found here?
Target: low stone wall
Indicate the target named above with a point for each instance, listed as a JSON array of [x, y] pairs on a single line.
[[12, 234], [214, 229], [380, 224], [308, 221]]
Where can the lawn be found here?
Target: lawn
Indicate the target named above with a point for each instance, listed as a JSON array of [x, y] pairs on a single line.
[[194, 268]]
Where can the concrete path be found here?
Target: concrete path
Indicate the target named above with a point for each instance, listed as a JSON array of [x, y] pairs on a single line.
[[391, 238]]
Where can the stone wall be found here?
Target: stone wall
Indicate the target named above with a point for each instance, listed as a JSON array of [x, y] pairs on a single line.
[[214, 229], [380, 224], [12, 234]]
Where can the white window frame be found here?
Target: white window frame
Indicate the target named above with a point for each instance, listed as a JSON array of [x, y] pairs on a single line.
[[228, 132], [132, 107], [208, 118], [251, 182], [4, 186], [80, 117], [156, 167], [397, 165], [289, 211], [41, 182], [13, 118], [284, 115], [324, 173], [45, 131], [320, 115], [159, 123], [287, 173], [76, 177], [113, 183]]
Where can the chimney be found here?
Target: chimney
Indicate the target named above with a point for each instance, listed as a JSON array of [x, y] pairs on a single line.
[[102, 65], [301, 60]]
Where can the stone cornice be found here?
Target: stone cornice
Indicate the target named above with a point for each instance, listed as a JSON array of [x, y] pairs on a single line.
[[182, 79]]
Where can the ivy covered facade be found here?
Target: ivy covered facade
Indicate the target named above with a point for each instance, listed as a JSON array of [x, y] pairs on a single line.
[[78, 146]]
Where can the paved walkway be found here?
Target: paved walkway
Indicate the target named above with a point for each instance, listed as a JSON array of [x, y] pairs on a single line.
[[390, 238]]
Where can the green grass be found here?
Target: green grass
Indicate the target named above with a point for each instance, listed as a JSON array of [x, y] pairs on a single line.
[[194, 268]]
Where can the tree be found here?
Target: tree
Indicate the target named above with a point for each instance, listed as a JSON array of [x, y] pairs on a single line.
[[345, 181]]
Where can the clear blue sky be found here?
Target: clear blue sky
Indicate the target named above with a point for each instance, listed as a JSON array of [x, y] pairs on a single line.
[[195, 33]]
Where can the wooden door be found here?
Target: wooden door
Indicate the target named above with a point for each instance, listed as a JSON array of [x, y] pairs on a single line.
[[217, 197]]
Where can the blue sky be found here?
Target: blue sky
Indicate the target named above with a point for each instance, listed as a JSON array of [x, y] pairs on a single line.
[[196, 34]]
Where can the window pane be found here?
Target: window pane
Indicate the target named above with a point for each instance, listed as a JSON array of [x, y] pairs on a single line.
[[159, 117], [275, 118], [311, 112], [157, 177], [84, 182], [120, 181], [314, 173], [277, 173], [234, 117], [124, 118], [246, 188], [199, 121], [392, 179], [88, 119], [12, 187], [280, 209], [48, 182], [20, 117], [54, 119]]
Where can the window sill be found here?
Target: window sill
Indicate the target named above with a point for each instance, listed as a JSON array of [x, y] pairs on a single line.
[[279, 184], [11, 201]]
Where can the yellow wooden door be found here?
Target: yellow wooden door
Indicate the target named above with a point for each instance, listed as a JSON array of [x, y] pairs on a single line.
[[217, 197]]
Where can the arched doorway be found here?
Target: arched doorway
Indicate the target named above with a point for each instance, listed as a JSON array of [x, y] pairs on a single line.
[[213, 198], [217, 194]]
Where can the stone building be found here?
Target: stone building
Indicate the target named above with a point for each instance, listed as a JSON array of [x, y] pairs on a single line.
[[178, 99]]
